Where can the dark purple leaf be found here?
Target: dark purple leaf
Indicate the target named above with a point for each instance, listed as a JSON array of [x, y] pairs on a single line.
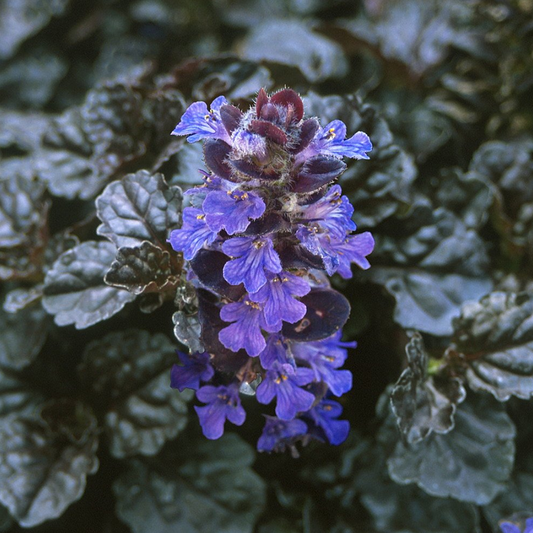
[[262, 99], [307, 133], [216, 153], [327, 312], [231, 117], [208, 266], [142, 269], [209, 315], [127, 374], [45, 461], [290, 99], [268, 130], [318, 172], [252, 170]]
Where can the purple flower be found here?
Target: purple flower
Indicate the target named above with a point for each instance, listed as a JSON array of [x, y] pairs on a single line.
[[324, 416], [511, 527], [232, 210], [332, 141], [222, 402], [337, 254], [354, 249], [199, 123], [193, 235], [324, 366], [246, 330], [252, 257], [196, 368], [320, 243], [246, 144], [277, 297], [275, 353], [277, 434], [284, 382], [333, 213]]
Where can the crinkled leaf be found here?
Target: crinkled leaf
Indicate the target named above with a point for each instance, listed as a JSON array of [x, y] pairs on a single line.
[[139, 207], [22, 336], [22, 131], [423, 404], [495, 338], [31, 78], [432, 264], [23, 219], [45, 461], [20, 19], [418, 33], [128, 374], [17, 397], [379, 187], [316, 56], [518, 497], [74, 288], [468, 195], [207, 487], [113, 121], [64, 161], [141, 269], [327, 312], [472, 463]]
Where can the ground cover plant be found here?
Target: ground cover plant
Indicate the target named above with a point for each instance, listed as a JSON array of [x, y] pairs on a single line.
[[310, 309]]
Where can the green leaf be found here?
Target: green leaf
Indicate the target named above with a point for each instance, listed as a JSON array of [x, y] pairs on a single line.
[[494, 339], [75, 291], [423, 404], [128, 375], [198, 487], [139, 207], [44, 462], [472, 463]]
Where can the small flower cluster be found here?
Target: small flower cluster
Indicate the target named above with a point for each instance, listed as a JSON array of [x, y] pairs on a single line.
[[260, 235]]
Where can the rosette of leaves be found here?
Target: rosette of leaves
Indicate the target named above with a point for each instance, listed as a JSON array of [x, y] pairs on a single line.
[[493, 343], [94, 280]]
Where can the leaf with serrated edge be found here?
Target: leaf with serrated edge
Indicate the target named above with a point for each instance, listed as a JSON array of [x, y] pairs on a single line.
[[75, 291], [137, 208], [424, 404], [495, 338], [472, 463], [209, 487], [128, 373]]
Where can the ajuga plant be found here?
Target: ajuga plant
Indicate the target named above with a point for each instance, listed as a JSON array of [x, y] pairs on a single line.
[[261, 236]]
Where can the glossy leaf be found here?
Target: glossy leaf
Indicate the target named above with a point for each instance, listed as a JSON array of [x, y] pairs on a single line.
[[495, 338], [316, 56], [139, 207], [187, 330], [45, 461], [22, 336], [424, 404], [472, 463], [75, 291], [128, 374], [209, 487], [327, 312], [141, 269], [318, 172]]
